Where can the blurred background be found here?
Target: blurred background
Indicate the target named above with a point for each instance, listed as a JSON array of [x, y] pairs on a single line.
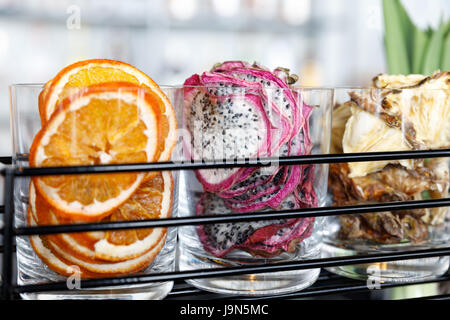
[[326, 42]]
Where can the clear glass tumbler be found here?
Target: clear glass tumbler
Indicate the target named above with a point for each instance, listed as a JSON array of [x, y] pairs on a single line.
[[390, 119], [234, 123], [74, 256]]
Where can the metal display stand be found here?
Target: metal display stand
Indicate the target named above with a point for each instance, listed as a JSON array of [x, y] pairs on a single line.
[[327, 284]]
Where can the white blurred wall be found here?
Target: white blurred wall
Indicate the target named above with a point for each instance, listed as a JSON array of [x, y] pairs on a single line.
[[327, 42]]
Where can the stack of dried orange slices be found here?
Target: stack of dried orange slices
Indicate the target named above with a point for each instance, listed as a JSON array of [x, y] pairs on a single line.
[[101, 112]]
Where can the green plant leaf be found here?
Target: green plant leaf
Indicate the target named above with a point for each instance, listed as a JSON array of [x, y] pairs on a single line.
[[445, 59], [420, 41], [432, 60], [409, 31], [447, 29], [395, 38]]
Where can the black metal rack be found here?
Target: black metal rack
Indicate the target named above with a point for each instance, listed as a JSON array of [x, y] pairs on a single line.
[[327, 283]]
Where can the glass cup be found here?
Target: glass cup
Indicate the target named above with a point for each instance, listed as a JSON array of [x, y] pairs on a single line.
[[374, 119], [242, 123], [72, 256]]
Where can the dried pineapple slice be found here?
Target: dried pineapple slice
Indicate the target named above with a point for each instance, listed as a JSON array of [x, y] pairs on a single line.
[[341, 114], [396, 81], [365, 132], [425, 108]]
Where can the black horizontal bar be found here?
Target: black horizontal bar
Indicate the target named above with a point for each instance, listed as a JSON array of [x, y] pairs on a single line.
[[439, 297], [195, 165], [346, 288], [6, 160], [188, 292], [183, 290], [199, 220], [326, 284], [221, 272], [2, 249]]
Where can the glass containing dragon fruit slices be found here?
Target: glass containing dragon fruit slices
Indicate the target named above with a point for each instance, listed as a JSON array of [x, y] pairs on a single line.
[[234, 111], [94, 112], [397, 113]]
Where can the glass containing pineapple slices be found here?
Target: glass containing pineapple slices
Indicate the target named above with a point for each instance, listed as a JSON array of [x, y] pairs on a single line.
[[398, 113]]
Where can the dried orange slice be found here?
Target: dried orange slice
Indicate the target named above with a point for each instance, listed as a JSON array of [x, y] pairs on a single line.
[[152, 200], [81, 243], [105, 124], [97, 71], [112, 268], [41, 100], [41, 248], [63, 263]]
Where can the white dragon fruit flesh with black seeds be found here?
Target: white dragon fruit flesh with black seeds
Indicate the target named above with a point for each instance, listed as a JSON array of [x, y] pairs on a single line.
[[268, 237], [236, 111]]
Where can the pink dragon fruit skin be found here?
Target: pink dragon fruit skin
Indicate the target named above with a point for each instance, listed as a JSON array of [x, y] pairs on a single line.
[[269, 79], [274, 199], [284, 239], [196, 80], [209, 204], [305, 197], [259, 82], [278, 194], [292, 97], [250, 180], [286, 121], [297, 115], [299, 231], [214, 79], [254, 197], [269, 237], [293, 147], [275, 183], [282, 127]]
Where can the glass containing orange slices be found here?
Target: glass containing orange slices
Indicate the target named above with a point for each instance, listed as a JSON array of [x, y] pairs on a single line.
[[94, 112]]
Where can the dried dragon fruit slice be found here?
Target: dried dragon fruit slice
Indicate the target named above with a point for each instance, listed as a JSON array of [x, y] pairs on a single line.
[[272, 194], [255, 189], [228, 85], [221, 238], [263, 177], [285, 239], [249, 180], [274, 87], [257, 192], [260, 238], [276, 91], [224, 128], [305, 193], [273, 199]]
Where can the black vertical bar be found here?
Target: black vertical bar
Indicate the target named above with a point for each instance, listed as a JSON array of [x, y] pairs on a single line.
[[8, 235]]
